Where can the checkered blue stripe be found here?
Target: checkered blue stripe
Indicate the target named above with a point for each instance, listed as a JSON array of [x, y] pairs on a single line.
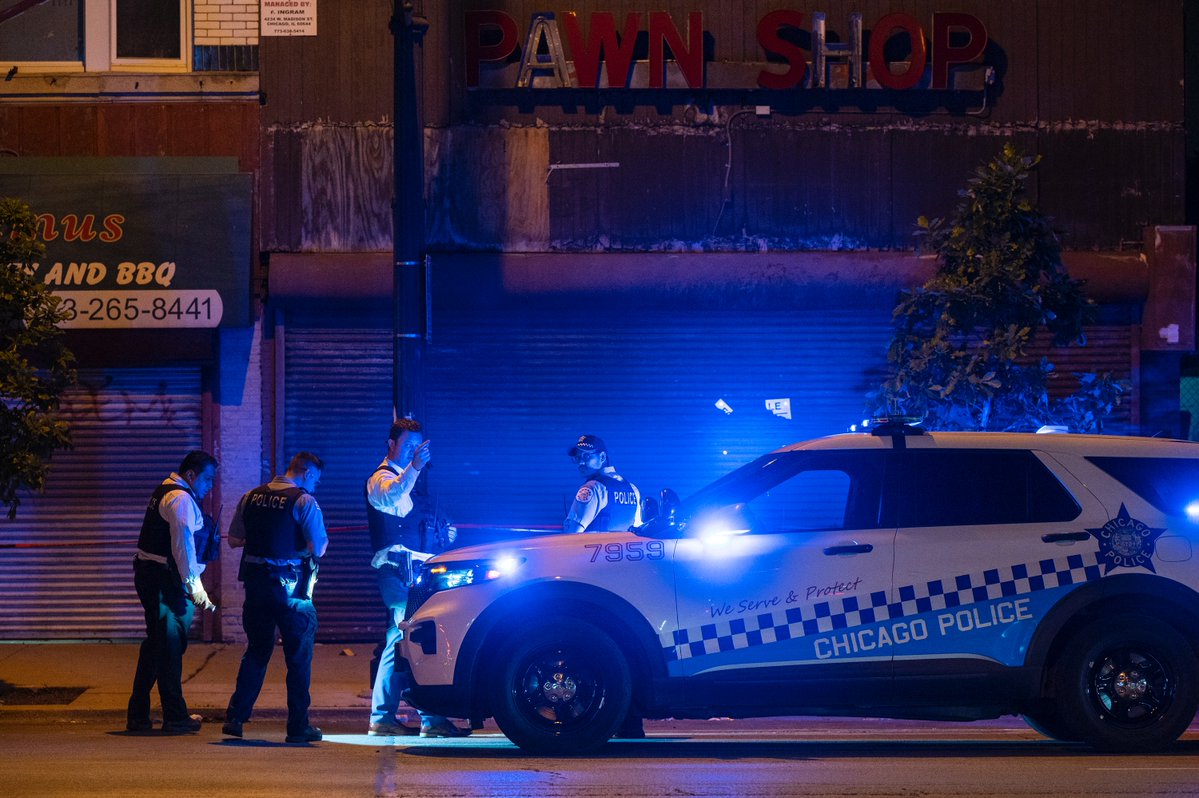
[[852, 611]]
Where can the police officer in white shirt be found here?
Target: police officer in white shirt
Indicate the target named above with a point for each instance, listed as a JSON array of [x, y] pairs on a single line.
[[606, 501], [396, 539], [167, 577]]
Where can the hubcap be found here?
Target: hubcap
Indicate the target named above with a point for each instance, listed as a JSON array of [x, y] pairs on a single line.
[[559, 690], [1132, 686]]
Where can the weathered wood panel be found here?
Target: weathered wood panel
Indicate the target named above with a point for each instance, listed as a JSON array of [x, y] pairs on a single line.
[[489, 191], [833, 187], [132, 129], [346, 188]]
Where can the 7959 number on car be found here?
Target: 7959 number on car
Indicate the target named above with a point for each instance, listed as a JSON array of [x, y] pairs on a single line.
[[632, 551]]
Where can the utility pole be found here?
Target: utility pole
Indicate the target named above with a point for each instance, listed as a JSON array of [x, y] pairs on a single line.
[[408, 218]]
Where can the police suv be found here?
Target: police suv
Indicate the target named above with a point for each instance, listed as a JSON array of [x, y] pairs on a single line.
[[899, 573]]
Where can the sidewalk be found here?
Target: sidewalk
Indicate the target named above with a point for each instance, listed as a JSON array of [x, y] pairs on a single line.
[[340, 676]]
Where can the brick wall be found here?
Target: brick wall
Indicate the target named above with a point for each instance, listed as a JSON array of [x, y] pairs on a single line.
[[240, 451], [225, 22]]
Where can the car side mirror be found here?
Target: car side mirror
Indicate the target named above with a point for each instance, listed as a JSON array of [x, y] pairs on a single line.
[[659, 516], [649, 509], [669, 503]]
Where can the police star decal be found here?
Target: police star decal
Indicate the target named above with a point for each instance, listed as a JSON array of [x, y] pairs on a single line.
[[1125, 542]]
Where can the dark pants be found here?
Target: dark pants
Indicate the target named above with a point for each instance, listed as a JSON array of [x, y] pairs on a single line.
[[168, 617], [271, 604]]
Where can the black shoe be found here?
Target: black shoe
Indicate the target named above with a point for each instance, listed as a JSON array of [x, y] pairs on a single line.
[[189, 725], [142, 725], [232, 728], [310, 735]]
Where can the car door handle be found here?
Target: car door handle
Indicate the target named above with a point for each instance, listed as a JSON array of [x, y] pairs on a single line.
[[1058, 537], [855, 548]]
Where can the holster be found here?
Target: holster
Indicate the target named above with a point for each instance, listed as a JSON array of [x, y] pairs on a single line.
[[307, 583], [402, 560]]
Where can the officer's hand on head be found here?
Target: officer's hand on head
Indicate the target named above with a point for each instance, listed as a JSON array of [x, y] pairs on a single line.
[[421, 457]]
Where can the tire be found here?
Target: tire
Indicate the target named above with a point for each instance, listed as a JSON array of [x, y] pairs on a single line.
[[1127, 684], [560, 688], [1050, 724]]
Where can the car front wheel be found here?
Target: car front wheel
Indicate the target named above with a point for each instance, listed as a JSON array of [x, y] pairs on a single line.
[[560, 688], [1127, 683]]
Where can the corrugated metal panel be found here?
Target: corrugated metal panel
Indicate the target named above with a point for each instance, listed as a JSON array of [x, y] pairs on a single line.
[[337, 403], [1102, 187], [511, 389], [1110, 348], [1075, 75], [65, 571]]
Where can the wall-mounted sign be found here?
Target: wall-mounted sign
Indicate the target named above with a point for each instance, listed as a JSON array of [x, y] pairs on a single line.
[[645, 51], [287, 18], [140, 242]]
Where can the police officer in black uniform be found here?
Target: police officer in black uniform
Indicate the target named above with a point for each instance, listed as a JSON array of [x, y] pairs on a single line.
[[606, 502], [283, 532], [166, 575]]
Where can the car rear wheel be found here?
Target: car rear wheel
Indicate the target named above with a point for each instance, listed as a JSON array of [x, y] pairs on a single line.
[[560, 688], [1127, 683]]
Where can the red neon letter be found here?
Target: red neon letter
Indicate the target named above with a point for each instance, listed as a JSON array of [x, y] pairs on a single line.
[[944, 55], [75, 228], [768, 36], [690, 58], [618, 53], [47, 230], [476, 51], [879, 67], [112, 228]]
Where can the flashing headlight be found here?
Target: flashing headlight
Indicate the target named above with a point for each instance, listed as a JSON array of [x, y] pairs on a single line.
[[718, 531], [449, 575], [715, 526], [1192, 511]]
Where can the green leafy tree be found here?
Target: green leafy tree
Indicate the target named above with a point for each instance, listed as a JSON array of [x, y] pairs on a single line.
[[959, 356], [35, 365]]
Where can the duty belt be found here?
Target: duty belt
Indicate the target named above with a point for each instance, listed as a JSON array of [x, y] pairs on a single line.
[[255, 560]]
